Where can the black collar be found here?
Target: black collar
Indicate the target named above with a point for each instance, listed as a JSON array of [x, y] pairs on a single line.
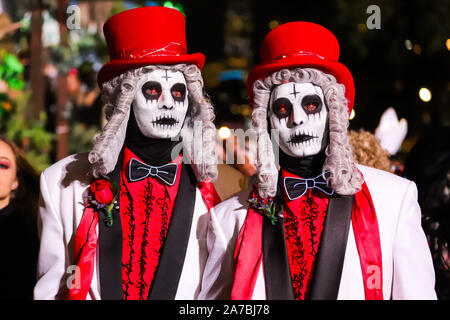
[[6, 212], [306, 167], [155, 152]]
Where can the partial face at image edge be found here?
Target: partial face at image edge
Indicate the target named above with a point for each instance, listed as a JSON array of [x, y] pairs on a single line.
[[8, 177]]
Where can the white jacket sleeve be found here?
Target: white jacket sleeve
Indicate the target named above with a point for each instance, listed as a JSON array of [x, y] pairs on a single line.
[[52, 254], [225, 222], [413, 272]]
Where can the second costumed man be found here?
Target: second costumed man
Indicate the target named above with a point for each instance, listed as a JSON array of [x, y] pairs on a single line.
[[320, 227]]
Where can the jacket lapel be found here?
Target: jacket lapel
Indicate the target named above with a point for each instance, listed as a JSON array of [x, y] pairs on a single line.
[[167, 276], [110, 243], [330, 257], [277, 274]]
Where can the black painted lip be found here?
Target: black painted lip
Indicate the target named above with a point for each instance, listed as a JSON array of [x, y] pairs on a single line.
[[166, 121], [301, 138]]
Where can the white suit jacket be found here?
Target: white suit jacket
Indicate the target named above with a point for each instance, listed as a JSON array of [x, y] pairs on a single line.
[[61, 208], [406, 260]]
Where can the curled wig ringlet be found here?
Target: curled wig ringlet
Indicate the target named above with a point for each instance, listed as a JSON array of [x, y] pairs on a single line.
[[344, 177], [118, 95]]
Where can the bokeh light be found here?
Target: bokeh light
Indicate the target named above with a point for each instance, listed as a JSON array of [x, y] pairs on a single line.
[[425, 94], [224, 133]]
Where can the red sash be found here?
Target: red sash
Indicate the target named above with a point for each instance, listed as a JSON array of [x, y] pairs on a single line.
[[85, 244], [247, 256]]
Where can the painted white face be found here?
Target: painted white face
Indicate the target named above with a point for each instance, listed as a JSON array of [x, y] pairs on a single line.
[[298, 111], [160, 103]]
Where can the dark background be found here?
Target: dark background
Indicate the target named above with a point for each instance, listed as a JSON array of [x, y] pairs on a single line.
[[386, 73]]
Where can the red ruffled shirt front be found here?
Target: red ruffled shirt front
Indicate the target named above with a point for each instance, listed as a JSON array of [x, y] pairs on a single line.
[[303, 222], [146, 208]]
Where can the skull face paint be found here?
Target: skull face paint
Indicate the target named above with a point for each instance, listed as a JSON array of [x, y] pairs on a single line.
[[299, 113], [160, 103]]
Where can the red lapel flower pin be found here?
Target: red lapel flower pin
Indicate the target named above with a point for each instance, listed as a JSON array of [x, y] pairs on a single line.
[[103, 193]]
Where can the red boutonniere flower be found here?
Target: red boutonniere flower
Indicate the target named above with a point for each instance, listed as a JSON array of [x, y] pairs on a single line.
[[102, 190], [103, 193]]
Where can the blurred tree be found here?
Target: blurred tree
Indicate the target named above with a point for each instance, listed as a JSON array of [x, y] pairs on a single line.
[[28, 132]]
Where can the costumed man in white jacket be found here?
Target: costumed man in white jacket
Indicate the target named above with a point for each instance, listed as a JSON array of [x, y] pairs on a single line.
[[317, 226], [128, 220]]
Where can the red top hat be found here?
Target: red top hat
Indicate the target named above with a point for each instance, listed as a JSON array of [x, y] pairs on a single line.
[[301, 44], [145, 36]]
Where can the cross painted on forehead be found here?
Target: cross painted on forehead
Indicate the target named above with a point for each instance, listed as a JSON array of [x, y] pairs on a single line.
[[294, 92], [166, 76]]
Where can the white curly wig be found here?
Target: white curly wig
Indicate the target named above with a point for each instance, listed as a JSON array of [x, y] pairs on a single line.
[[344, 177], [118, 95]]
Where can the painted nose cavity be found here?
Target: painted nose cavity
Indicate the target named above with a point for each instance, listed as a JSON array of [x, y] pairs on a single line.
[[298, 116], [166, 101]]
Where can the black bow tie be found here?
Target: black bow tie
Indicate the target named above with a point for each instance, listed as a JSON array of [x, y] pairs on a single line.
[[139, 170], [296, 187]]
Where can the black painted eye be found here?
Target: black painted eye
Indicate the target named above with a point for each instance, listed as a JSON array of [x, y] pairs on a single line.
[[178, 92], [282, 107], [151, 90], [312, 104]]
